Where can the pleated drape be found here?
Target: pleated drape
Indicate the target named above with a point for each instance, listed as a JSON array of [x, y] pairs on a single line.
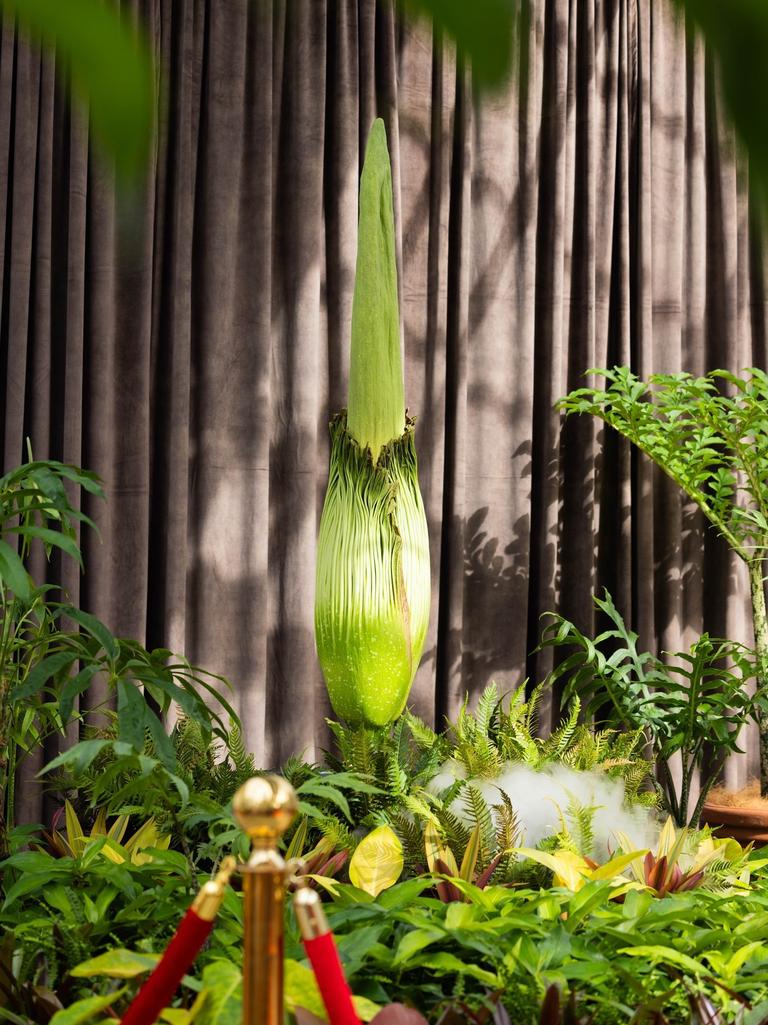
[[187, 339]]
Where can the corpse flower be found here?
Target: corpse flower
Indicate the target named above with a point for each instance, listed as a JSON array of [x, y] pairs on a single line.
[[372, 590]]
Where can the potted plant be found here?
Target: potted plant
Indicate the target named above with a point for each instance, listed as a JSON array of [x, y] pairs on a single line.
[[710, 435]]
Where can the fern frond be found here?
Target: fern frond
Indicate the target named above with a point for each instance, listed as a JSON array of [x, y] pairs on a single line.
[[455, 832], [410, 835], [479, 814], [336, 833], [242, 759], [486, 708], [581, 817], [555, 746], [424, 736]]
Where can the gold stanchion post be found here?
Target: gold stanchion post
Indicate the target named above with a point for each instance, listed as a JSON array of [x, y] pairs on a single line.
[[264, 807]]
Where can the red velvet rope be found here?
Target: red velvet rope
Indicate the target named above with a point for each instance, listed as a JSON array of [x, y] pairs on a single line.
[[331, 980], [158, 990]]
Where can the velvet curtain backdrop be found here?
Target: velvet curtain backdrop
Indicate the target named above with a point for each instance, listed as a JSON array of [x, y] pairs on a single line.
[[188, 340]]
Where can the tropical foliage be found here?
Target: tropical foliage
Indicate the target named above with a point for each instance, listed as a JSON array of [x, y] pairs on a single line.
[[692, 704], [710, 435], [407, 831]]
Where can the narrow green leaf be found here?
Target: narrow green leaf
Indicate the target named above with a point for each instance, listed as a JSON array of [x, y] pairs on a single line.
[[51, 537], [132, 714], [12, 572], [95, 628], [74, 686], [78, 757], [42, 673]]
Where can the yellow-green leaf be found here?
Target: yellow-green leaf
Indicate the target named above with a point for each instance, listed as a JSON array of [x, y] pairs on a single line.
[[145, 836], [667, 838], [82, 1010], [175, 1016], [616, 865], [117, 964], [327, 882], [300, 989], [75, 837], [569, 870], [100, 825], [471, 854], [436, 851], [117, 830], [365, 1009], [221, 1000], [377, 861], [299, 838]]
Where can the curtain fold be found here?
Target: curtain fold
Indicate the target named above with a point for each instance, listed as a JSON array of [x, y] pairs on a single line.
[[188, 339]]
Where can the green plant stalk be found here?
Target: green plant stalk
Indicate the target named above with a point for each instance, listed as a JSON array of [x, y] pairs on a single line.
[[756, 567], [6, 683]]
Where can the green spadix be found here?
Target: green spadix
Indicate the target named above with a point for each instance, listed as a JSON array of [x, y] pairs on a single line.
[[372, 591]]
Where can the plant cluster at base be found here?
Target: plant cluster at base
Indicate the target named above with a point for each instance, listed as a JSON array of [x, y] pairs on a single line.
[[446, 891]]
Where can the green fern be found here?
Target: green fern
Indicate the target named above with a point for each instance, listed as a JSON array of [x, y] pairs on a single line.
[[411, 836], [241, 758], [581, 818], [479, 813], [487, 708], [558, 743], [333, 830], [424, 736]]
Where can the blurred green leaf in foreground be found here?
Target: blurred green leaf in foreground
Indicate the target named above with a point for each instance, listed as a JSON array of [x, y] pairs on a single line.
[[736, 31], [110, 66]]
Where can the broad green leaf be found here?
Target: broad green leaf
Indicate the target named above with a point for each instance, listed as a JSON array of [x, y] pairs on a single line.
[[78, 757], [414, 941], [83, 1010], [300, 989], [737, 32], [377, 862], [117, 964], [445, 962], [221, 999], [486, 31], [317, 788], [665, 955]]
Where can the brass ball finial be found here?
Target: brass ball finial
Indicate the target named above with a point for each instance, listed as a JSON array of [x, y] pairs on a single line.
[[265, 806]]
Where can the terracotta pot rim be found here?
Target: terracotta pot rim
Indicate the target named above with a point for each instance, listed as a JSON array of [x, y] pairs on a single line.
[[735, 814]]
